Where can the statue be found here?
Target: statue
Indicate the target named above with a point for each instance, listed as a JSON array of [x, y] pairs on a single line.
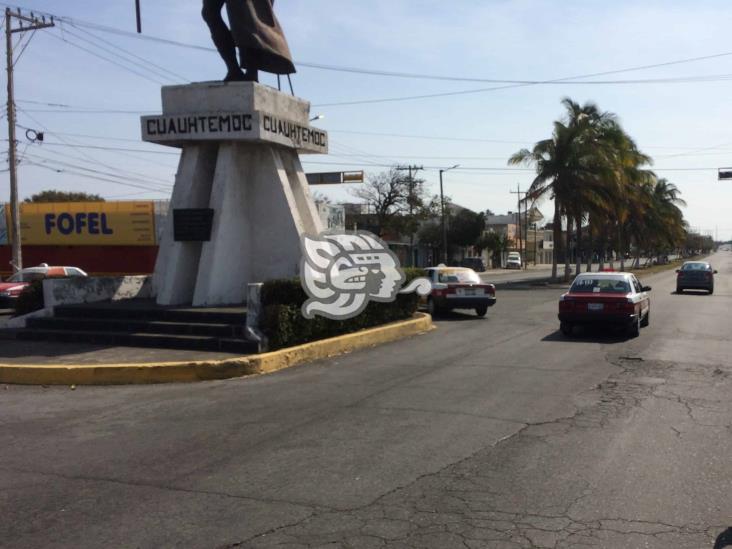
[[257, 34]]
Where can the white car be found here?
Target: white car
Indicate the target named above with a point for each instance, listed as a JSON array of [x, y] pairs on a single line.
[[513, 261]]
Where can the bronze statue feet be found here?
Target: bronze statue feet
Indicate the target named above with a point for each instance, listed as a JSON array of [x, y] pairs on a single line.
[[252, 75], [235, 76]]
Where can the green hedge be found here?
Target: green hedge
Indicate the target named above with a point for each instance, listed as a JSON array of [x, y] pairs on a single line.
[[284, 325], [30, 299]]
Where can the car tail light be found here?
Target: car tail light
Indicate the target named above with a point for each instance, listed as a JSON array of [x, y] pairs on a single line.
[[566, 304], [709, 276], [626, 307], [489, 289]]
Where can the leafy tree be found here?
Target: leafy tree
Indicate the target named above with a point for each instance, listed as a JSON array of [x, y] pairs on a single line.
[[466, 228], [63, 196]]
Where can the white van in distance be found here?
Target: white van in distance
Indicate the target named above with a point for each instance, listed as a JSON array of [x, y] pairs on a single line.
[[513, 261]]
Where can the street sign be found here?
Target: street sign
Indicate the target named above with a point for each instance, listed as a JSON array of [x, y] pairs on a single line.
[[334, 178], [725, 173]]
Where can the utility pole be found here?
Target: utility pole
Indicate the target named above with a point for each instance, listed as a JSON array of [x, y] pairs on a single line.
[[34, 24], [442, 212], [411, 206], [519, 228]]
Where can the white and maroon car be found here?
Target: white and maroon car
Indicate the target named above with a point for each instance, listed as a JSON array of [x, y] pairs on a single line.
[[612, 299], [458, 288], [14, 285]]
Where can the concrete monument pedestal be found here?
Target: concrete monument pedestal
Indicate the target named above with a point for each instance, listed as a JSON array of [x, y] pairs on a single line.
[[240, 143]]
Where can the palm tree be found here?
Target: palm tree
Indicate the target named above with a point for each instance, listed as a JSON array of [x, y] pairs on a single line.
[[594, 171], [572, 168]]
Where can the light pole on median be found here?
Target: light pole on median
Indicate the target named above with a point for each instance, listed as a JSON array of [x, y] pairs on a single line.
[[442, 208]]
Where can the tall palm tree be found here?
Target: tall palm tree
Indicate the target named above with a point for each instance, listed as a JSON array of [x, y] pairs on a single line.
[[572, 168], [552, 160]]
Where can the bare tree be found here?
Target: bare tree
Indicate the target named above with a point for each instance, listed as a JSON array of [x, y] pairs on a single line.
[[391, 196]]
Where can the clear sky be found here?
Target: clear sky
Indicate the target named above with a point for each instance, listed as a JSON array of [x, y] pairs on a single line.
[[681, 117]]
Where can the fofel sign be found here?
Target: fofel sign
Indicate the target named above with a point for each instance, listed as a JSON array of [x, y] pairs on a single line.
[[88, 224]]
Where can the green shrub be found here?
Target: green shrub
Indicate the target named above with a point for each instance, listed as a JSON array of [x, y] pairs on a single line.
[[284, 325], [30, 299]]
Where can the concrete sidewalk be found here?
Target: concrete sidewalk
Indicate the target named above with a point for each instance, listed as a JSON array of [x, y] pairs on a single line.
[[49, 352]]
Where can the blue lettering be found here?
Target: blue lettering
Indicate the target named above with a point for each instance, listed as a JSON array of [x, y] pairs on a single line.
[[65, 223], [50, 222], [80, 222], [105, 228], [93, 220]]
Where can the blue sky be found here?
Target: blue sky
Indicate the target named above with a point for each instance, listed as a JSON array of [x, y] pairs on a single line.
[[685, 126]]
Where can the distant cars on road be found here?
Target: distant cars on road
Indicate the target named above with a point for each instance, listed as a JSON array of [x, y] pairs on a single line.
[[458, 288], [14, 285], [695, 275], [607, 299], [475, 263]]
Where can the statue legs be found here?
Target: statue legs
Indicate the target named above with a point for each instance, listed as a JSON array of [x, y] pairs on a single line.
[[223, 40]]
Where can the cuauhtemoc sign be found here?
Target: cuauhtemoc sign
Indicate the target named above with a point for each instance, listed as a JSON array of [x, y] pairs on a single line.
[[255, 126], [87, 223]]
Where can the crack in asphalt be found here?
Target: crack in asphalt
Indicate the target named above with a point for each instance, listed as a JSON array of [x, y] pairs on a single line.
[[462, 505]]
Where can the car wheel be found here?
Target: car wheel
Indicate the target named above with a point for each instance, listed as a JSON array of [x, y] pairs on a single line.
[[432, 307], [482, 310], [711, 291], [566, 328], [679, 290], [646, 320], [634, 329]]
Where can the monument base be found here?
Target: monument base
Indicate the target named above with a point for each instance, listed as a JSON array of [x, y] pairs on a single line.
[[255, 186]]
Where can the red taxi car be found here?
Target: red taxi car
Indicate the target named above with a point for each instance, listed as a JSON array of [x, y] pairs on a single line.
[[613, 299], [11, 288], [458, 288]]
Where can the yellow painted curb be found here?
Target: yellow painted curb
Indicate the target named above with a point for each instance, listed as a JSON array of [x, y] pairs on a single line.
[[167, 372]]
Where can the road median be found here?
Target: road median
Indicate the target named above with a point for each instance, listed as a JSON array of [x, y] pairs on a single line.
[[189, 371]]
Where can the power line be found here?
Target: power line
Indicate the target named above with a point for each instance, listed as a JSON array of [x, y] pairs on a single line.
[[100, 56], [123, 174], [403, 74], [97, 178], [103, 148], [158, 185], [138, 57], [492, 169], [93, 174]]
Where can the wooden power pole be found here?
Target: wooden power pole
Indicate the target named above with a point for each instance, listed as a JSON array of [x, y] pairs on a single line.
[[410, 168], [32, 23]]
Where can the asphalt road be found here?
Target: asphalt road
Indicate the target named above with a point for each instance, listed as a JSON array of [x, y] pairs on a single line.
[[485, 433]]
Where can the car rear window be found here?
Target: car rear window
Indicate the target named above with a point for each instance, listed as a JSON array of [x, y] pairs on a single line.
[[467, 276], [604, 285], [695, 267], [26, 277]]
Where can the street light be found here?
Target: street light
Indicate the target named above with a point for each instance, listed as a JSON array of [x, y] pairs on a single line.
[[442, 208]]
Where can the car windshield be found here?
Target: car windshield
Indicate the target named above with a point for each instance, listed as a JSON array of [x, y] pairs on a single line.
[[467, 276], [26, 277], [597, 285], [696, 267]]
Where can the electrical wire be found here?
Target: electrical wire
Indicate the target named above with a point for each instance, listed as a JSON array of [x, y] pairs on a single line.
[[112, 61], [22, 51], [124, 58], [70, 143], [138, 57], [66, 167], [143, 180]]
